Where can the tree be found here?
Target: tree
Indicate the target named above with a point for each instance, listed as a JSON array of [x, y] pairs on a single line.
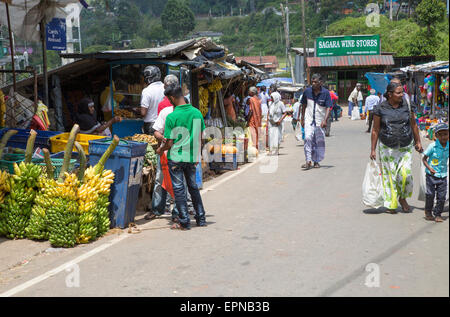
[[177, 18], [430, 12]]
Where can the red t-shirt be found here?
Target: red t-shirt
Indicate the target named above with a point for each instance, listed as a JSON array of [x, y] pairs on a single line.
[[164, 104]]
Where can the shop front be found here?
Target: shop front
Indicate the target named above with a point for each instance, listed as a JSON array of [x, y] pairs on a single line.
[[343, 62]]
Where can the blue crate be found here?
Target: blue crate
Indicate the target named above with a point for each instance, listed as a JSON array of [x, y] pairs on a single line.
[[127, 162], [127, 127], [229, 163], [20, 139]]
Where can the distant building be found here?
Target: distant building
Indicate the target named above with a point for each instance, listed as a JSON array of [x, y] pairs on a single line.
[[267, 63], [215, 36]]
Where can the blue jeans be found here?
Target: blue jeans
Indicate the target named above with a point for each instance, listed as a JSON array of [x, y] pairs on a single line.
[[178, 172], [350, 108], [160, 199]]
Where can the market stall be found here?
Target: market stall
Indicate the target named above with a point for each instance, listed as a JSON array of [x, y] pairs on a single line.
[[428, 85]]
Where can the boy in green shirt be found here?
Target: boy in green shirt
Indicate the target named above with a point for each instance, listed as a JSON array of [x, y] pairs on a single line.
[[182, 133]]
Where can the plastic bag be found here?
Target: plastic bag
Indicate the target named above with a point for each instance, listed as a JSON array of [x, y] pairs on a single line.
[[422, 182], [298, 132], [372, 187], [355, 113]]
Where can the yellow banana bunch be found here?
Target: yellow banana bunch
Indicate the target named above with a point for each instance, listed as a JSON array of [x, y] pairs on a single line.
[[5, 185], [215, 86], [203, 102]]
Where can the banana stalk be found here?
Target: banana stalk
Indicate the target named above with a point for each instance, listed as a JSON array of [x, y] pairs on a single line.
[[48, 163], [30, 146], [82, 156], [68, 151], [5, 139], [101, 164]]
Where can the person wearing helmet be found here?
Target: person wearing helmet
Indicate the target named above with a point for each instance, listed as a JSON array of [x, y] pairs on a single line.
[[152, 95]]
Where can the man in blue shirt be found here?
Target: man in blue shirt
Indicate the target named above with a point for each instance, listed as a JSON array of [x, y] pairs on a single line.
[[435, 160], [316, 105]]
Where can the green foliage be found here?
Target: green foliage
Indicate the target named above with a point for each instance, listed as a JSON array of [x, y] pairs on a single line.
[[430, 12], [97, 48], [177, 18]]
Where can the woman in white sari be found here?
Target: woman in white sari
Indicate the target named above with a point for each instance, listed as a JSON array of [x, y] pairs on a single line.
[[276, 115]]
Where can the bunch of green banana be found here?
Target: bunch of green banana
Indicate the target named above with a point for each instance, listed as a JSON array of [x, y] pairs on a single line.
[[5, 188], [18, 204], [62, 216], [45, 199], [93, 200]]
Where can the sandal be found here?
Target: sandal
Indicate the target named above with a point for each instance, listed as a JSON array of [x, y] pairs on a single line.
[[177, 226], [439, 219], [316, 165], [150, 216], [306, 166], [429, 216]]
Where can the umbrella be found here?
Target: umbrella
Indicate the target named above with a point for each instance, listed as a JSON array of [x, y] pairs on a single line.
[[27, 18]]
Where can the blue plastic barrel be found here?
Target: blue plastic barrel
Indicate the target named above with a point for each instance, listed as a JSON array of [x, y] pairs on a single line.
[[127, 162]]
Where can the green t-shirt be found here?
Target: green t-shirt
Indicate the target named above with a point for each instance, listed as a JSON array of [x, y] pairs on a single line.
[[185, 126]]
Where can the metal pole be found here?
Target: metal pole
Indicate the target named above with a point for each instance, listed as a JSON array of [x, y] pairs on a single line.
[[11, 45], [305, 53], [44, 57], [390, 10]]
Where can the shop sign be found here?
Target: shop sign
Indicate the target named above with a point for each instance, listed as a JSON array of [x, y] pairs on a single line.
[[348, 45], [56, 35]]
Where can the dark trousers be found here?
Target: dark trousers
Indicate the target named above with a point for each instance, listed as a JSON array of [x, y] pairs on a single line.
[[178, 172], [436, 187], [370, 120], [335, 113]]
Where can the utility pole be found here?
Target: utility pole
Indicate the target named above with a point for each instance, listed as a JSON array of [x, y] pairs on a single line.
[[285, 12], [305, 53], [390, 10]]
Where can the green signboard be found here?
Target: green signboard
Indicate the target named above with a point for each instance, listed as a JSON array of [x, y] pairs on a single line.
[[348, 45]]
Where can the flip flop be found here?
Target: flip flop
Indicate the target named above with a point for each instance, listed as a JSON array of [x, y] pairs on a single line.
[[177, 226], [306, 167], [316, 165]]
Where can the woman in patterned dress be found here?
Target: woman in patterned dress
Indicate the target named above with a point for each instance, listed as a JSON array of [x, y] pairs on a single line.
[[395, 127]]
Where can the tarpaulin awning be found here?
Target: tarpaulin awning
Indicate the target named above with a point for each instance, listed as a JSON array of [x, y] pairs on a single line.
[[27, 14], [277, 80], [378, 81], [351, 60]]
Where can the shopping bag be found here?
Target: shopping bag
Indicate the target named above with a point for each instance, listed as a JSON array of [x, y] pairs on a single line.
[[422, 182], [355, 114], [167, 181], [372, 187], [298, 132]]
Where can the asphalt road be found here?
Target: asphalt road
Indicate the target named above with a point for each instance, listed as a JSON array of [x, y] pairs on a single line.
[[287, 233]]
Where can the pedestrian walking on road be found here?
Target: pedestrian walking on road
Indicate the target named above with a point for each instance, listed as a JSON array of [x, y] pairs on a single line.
[[355, 100], [371, 102], [255, 118], [277, 113], [435, 160], [334, 99], [264, 97], [183, 132], [316, 105], [394, 125]]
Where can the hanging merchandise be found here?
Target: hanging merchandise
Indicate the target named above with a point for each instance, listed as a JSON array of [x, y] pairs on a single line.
[[203, 100], [444, 87]]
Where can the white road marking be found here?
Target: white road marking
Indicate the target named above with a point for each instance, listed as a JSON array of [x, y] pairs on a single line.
[[61, 268], [100, 248]]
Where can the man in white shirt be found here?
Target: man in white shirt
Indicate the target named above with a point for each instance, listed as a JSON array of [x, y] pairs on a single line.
[[355, 100], [152, 95], [371, 102]]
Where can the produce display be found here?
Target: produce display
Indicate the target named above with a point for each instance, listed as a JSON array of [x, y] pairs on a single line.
[[150, 156], [136, 88], [17, 205], [143, 138], [124, 113], [72, 209]]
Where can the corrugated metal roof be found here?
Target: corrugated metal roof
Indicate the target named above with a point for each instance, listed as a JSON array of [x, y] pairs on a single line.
[[433, 67], [351, 60]]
